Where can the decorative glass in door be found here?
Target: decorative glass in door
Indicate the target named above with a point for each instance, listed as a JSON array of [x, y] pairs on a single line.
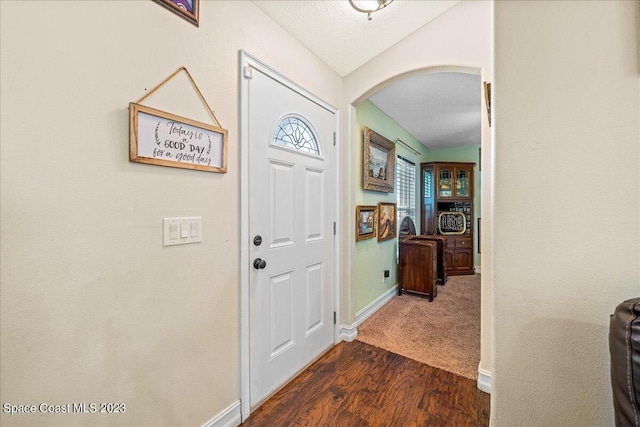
[[462, 183], [294, 133], [445, 183]]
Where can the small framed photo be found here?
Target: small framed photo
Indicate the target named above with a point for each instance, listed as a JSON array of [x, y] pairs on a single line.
[[386, 221], [188, 9], [366, 222], [379, 162]]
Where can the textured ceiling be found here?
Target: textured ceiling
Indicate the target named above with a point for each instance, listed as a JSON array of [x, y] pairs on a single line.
[[342, 37], [441, 110]]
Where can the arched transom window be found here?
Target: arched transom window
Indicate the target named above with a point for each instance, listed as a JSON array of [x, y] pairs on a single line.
[[294, 133]]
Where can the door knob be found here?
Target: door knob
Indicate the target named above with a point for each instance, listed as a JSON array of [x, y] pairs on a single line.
[[259, 263]]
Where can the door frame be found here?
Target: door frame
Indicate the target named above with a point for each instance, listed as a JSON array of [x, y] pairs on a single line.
[[248, 62]]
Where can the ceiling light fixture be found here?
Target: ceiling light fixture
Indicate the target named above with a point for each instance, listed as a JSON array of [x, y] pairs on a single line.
[[369, 6]]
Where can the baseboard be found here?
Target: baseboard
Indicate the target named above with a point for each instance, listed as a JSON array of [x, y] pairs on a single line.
[[230, 417], [350, 332], [484, 380], [477, 269]]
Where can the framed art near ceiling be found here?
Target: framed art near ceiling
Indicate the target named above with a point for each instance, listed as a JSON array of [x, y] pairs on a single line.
[[188, 9], [366, 222], [379, 162], [386, 221], [487, 100]]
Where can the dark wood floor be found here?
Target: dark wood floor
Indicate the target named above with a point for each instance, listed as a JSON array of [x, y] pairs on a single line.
[[356, 385]]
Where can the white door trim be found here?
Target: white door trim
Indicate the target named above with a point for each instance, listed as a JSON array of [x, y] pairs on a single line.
[[248, 62]]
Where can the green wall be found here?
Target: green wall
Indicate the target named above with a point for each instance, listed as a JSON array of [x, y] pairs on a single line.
[[373, 257]]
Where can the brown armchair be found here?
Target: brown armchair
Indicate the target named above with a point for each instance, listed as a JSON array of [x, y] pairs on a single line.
[[624, 347]]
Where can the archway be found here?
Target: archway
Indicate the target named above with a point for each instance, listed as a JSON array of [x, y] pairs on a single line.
[[350, 159]]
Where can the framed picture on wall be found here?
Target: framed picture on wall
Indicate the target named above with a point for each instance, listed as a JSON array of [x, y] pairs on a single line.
[[366, 222], [487, 100], [188, 9], [379, 162], [386, 221]]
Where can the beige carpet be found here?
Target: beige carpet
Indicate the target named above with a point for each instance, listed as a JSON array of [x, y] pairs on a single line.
[[444, 333]]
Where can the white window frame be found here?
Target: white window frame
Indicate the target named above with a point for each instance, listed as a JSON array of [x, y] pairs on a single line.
[[406, 189]]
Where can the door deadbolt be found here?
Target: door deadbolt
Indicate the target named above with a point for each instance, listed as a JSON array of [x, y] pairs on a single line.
[[259, 263], [257, 240]]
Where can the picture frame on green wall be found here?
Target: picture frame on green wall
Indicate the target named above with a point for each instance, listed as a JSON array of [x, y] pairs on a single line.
[[379, 157], [366, 222], [386, 221]]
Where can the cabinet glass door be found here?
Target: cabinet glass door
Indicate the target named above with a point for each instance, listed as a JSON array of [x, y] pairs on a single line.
[[462, 183], [427, 221], [427, 185], [445, 183]]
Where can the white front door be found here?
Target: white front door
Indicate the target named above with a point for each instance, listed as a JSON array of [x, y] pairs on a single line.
[[291, 231]]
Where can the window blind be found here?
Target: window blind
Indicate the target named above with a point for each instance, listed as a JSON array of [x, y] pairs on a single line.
[[406, 189]]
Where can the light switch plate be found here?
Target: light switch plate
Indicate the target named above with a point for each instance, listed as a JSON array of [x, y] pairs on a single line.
[[179, 231]]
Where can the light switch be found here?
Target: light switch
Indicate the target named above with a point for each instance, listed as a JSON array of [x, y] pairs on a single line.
[[178, 231], [173, 231]]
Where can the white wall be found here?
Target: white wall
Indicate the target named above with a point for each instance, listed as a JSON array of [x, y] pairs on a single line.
[[567, 214], [93, 308], [373, 257], [458, 40]]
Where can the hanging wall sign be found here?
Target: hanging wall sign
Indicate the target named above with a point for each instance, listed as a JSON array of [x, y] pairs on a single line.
[[161, 138]]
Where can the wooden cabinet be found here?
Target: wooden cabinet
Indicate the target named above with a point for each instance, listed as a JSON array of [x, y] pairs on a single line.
[[441, 243], [461, 255], [454, 180], [418, 266], [447, 210]]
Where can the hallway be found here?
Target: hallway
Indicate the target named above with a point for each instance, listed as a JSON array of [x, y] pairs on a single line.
[[444, 334], [356, 384]]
